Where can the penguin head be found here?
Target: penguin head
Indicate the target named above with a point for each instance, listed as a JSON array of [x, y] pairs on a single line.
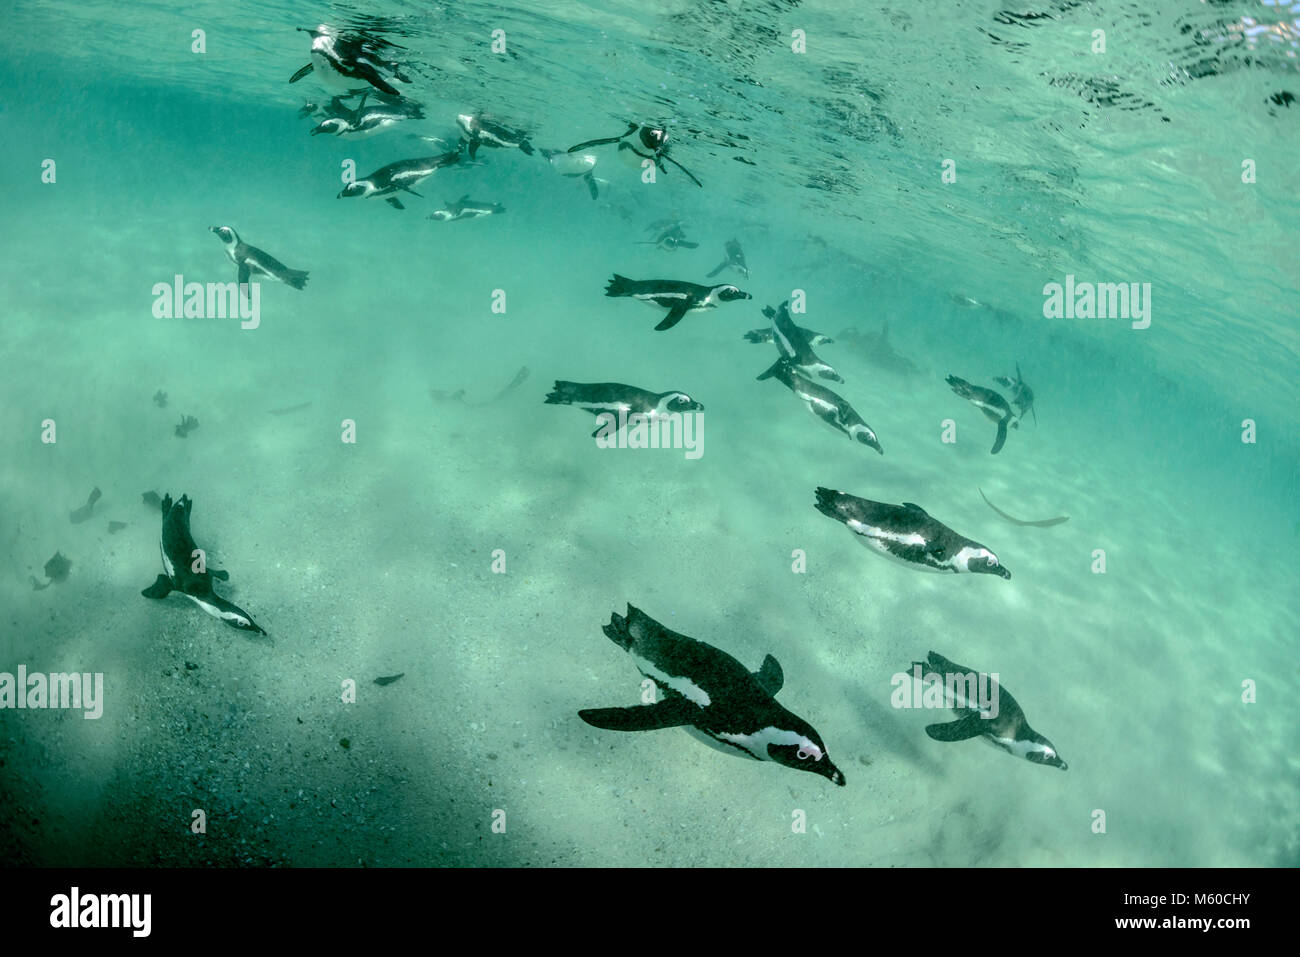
[[358, 187], [671, 402], [861, 433], [652, 138], [1046, 753], [225, 234], [466, 122], [805, 753], [980, 559], [332, 125], [730, 293]]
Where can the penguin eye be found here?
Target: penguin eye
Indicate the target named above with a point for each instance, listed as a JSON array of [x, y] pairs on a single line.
[[993, 560]]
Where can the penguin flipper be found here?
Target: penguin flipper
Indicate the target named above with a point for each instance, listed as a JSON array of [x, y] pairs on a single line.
[[220, 574], [770, 677], [161, 588], [631, 128], [971, 726], [688, 173], [242, 278], [674, 316], [591, 186], [717, 269], [1001, 438], [394, 202], [301, 73], [645, 717]]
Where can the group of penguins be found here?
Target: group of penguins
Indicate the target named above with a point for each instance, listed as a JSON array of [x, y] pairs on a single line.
[[700, 688]]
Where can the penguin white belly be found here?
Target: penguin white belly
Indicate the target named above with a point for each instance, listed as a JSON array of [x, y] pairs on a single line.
[[875, 538], [573, 164], [327, 76]]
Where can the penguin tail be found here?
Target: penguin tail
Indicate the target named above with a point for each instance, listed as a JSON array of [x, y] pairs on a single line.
[[619, 286], [564, 393], [772, 370], [296, 278]]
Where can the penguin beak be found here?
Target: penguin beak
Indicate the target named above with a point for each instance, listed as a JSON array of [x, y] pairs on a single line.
[[835, 775]]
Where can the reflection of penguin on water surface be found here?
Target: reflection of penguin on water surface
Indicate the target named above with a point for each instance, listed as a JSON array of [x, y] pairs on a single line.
[[649, 143]]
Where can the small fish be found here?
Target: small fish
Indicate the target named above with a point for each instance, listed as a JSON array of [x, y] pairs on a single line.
[[288, 409], [81, 514], [388, 679]]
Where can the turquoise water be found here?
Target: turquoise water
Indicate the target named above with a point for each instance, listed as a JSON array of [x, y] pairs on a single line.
[[376, 557]]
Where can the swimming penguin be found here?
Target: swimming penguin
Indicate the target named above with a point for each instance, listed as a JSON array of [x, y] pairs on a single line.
[[348, 63], [713, 696], [367, 121], [576, 166], [179, 557], [677, 296], [1007, 730], [990, 403], [672, 238], [481, 131], [792, 345], [466, 208], [649, 143], [1022, 397], [403, 174], [907, 534], [253, 262], [766, 335], [735, 259], [621, 401], [823, 403]]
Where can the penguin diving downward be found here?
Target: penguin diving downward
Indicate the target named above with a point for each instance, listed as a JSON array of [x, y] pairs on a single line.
[[649, 143], [793, 345], [735, 259], [466, 208], [403, 174], [179, 557], [1022, 397], [346, 63], [678, 297], [576, 166], [990, 403], [672, 238], [253, 262], [481, 131], [367, 121], [1006, 729], [823, 403], [713, 696], [905, 533], [766, 335], [621, 401]]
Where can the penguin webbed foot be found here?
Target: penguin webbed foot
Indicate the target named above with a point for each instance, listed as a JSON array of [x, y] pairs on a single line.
[[161, 588]]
